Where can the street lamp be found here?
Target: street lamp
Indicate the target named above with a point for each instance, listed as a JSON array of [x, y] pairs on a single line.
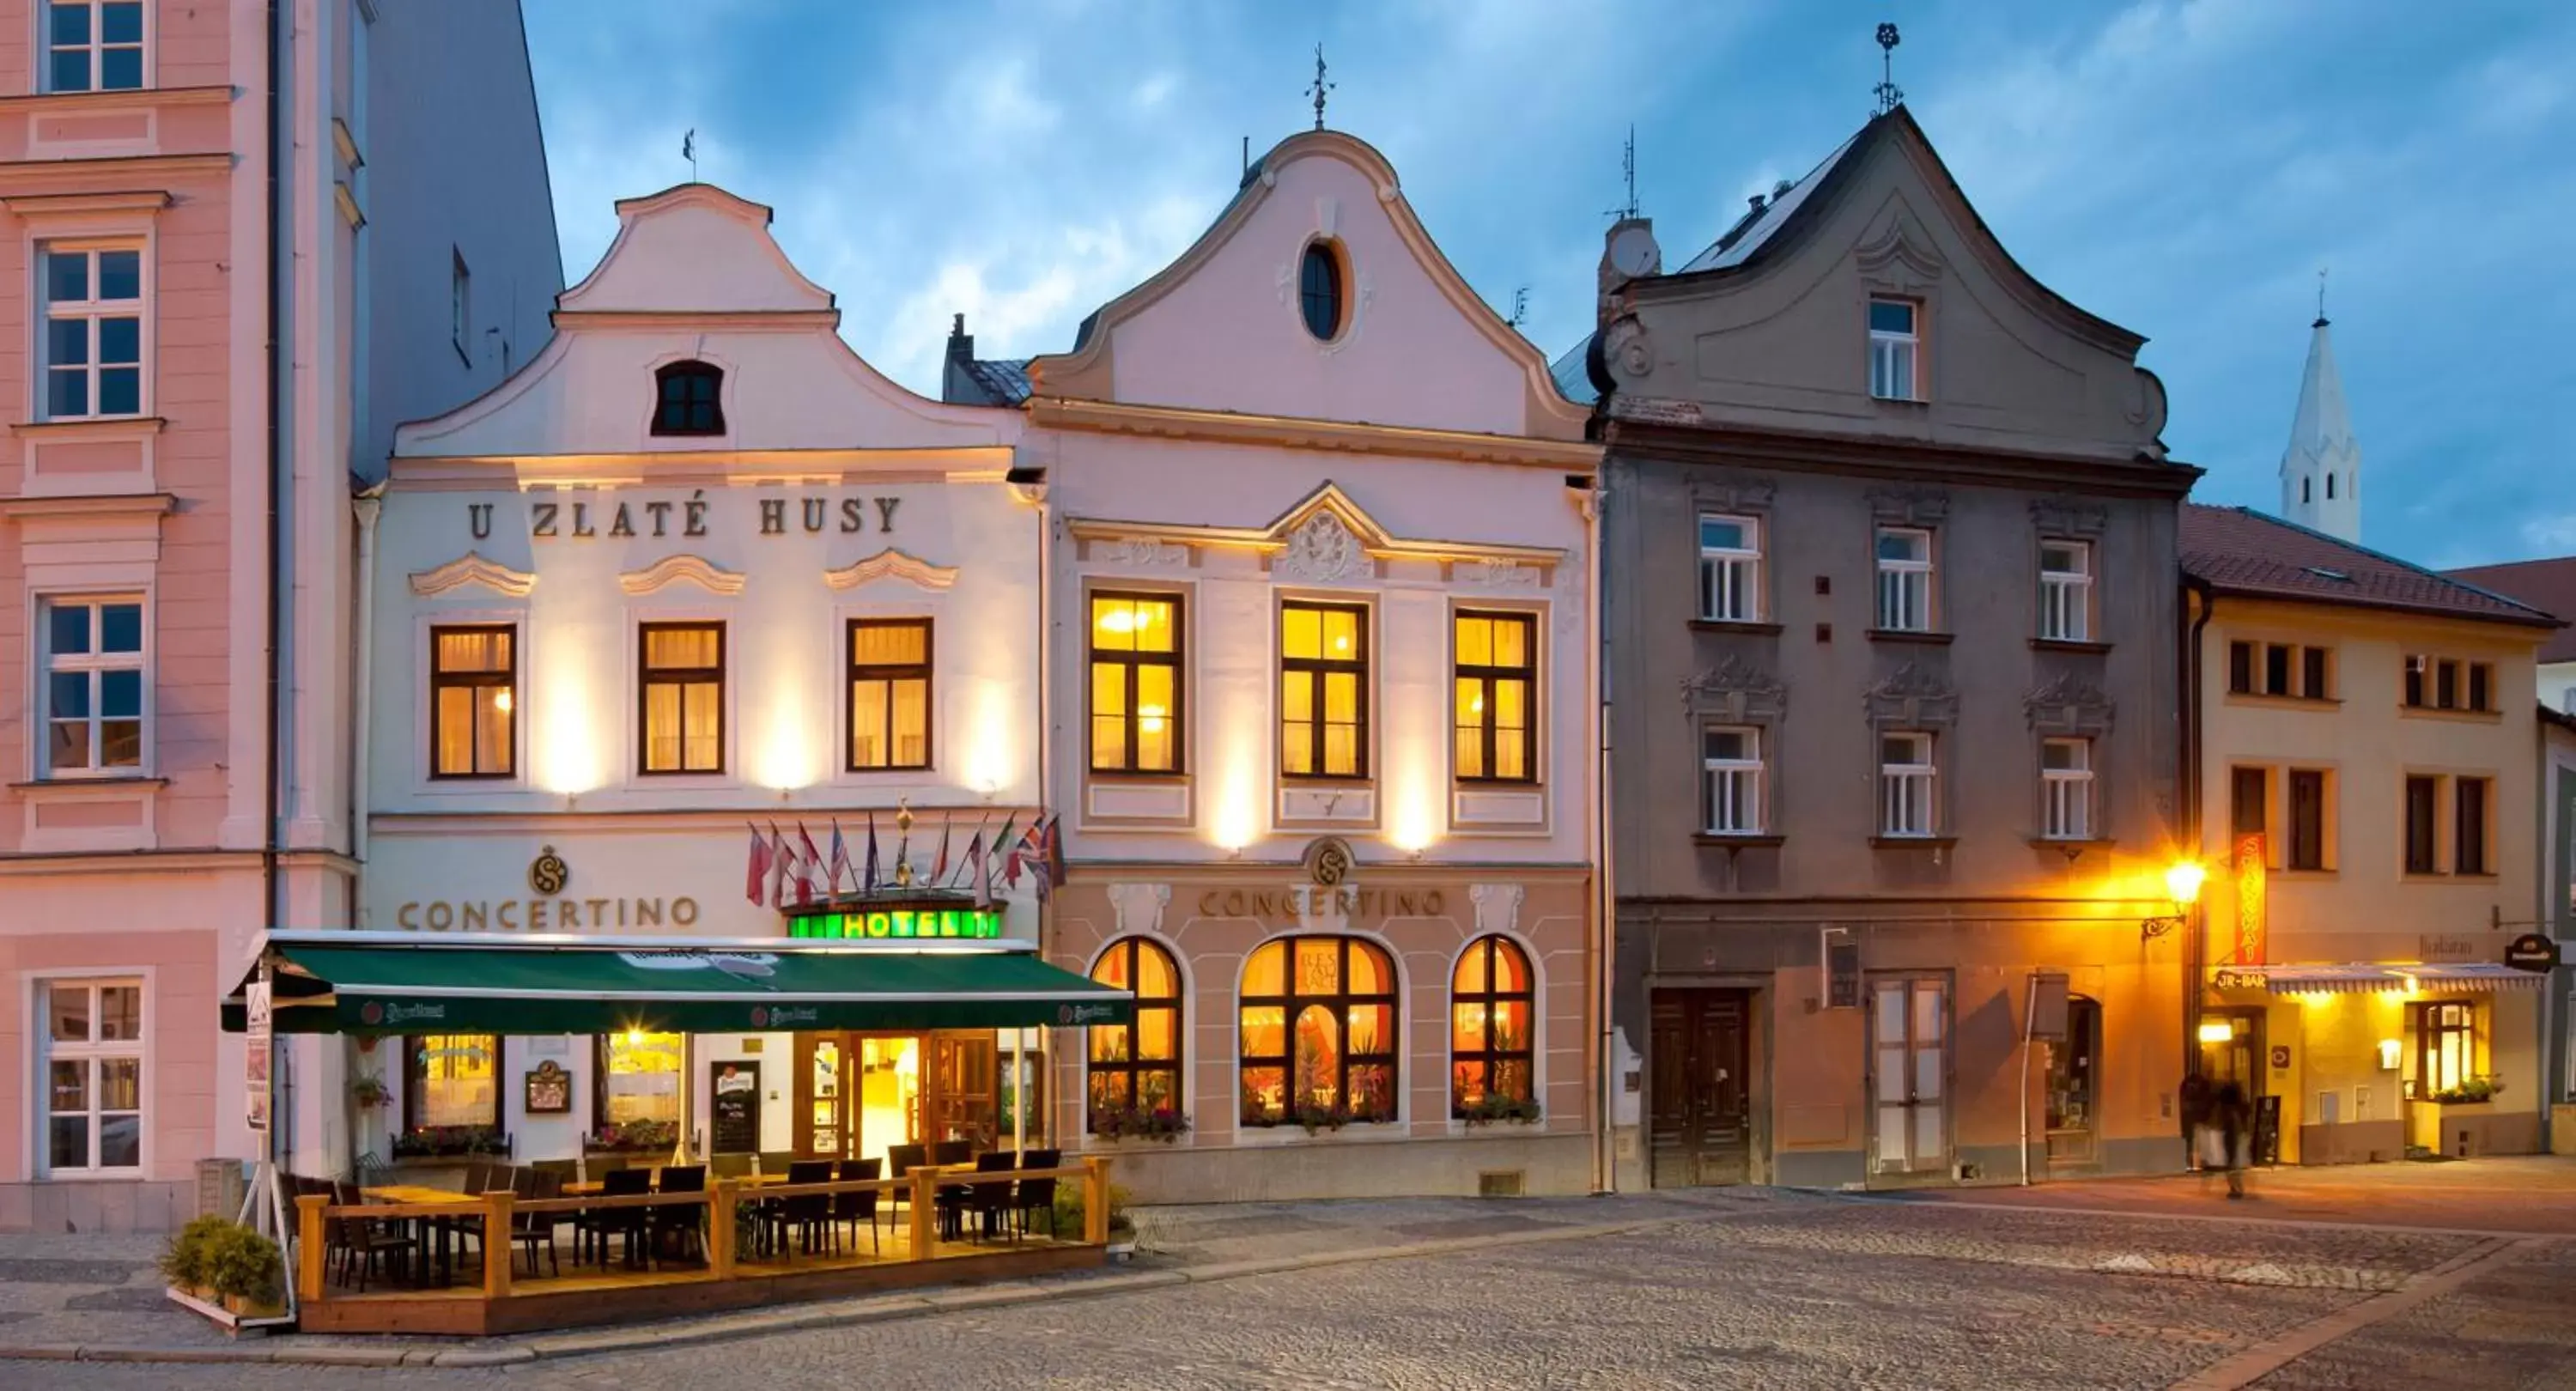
[[2183, 879]]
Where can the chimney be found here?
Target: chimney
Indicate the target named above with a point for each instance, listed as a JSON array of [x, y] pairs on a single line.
[[961, 344], [1756, 201]]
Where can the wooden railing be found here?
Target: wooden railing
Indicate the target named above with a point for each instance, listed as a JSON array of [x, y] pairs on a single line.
[[498, 1212]]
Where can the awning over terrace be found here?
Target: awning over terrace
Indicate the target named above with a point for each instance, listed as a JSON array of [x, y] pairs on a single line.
[[2368, 977]]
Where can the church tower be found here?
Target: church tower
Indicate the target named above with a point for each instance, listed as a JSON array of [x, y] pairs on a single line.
[[2321, 470]]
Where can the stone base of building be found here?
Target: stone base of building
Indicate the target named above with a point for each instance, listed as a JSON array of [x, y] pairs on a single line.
[[1553, 1163], [107, 1206]]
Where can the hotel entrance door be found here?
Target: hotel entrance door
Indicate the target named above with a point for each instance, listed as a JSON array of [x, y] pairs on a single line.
[[860, 1095]]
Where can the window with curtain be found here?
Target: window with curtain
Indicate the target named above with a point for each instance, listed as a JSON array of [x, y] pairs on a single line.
[[1323, 690], [1135, 683], [454, 1080], [1136, 1068], [1318, 1032], [1497, 672], [889, 693], [473, 705], [683, 695], [1492, 1017], [639, 1078]]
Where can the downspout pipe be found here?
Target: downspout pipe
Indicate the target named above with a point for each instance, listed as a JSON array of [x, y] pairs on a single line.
[[270, 814], [369, 506], [2196, 949]]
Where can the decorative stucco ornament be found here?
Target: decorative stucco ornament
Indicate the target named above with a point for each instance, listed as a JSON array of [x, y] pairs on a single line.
[[1320, 551], [1144, 550]]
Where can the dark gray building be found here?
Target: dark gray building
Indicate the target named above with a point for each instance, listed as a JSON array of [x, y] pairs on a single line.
[[1892, 657]]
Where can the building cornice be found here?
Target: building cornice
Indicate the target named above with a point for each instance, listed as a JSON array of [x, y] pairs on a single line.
[[1280, 534], [124, 100], [147, 200], [739, 321], [1899, 458], [2383, 608], [1297, 432], [37, 175], [90, 505], [972, 463]]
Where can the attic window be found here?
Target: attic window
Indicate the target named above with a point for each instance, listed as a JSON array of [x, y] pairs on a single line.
[[2323, 573], [1319, 290], [689, 399]]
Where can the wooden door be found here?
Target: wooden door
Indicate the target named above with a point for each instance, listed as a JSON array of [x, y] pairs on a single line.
[[964, 1095], [824, 1078], [1910, 1074], [1702, 1121]]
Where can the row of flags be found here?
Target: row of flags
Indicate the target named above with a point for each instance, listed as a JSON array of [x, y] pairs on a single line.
[[785, 872]]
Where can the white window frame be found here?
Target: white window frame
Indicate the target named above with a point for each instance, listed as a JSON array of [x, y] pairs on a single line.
[[1731, 788], [1730, 577], [2066, 596], [97, 48], [1907, 808], [1896, 359], [92, 312], [47, 1051], [93, 665], [1904, 595], [2066, 793]]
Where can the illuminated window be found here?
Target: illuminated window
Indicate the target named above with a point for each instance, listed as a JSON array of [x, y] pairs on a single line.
[[473, 702], [1497, 670], [683, 694], [93, 45], [1904, 579], [2065, 591], [1135, 1069], [1895, 350], [92, 1065], [91, 344], [889, 693], [2446, 1045], [1135, 683], [1323, 690], [1319, 291], [454, 1080], [1730, 569], [1492, 1013], [639, 1078], [91, 670], [1318, 1036], [688, 399]]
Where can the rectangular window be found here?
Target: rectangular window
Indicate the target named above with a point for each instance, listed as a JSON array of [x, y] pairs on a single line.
[[2469, 827], [683, 697], [2446, 685], [473, 702], [2315, 681], [1495, 679], [2307, 848], [2066, 788], [1135, 683], [1730, 569], [1895, 351], [2446, 1045], [2249, 801], [2423, 813], [2415, 681], [1731, 765], [460, 305], [889, 693], [2481, 687], [93, 45], [92, 344], [2276, 669], [639, 1078], [2065, 591], [1904, 579], [92, 1065], [91, 671], [1905, 785], [2240, 668], [1323, 690], [453, 1080]]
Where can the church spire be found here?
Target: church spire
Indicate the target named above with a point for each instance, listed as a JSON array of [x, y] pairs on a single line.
[[2321, 469]]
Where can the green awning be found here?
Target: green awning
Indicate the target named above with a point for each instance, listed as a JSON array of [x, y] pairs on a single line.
[[442, 985]]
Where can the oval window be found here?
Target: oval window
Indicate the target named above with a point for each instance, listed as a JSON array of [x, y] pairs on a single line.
[[1320, 288]]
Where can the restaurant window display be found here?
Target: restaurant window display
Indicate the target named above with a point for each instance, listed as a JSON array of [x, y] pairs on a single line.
[[1134, 1069], [453, 1082], [1491, 1010], [1318, 1033], [638, 1097]]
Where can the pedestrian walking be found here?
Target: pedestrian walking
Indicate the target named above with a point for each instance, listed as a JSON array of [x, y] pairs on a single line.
[[2195, 1121], [2232, 1116]]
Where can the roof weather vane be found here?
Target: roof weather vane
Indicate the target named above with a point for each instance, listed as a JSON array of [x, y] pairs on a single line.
[[1887, 92], [1319, 87], [1628, 171], [689, 152], [2321, 298]]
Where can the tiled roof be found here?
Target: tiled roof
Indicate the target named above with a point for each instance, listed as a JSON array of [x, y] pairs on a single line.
[[2545, 584], [2237, 550]]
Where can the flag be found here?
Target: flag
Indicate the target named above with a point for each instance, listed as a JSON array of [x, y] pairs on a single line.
[[840, 861], [868, 880], [980, 824], [807, 867], [939, 867], [1023, 850], [1050, 854], [995, 862], [780, 858], [975, 870], [755, 877], [689, 145]]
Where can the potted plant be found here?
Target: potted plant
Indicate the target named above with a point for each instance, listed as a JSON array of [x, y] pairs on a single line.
[[1069, 1218], [1495, 1109], [1164, 1124], [248, 1272], [2444, 1120], [367, 1091], [449, 1141], [1319, 1118], [187, 1261], [633, 1137]]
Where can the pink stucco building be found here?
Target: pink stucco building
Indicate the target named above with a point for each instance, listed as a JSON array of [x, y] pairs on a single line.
[[235, 247]]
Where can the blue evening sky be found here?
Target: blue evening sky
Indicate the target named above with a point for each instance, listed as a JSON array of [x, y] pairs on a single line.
[[2182, 168]]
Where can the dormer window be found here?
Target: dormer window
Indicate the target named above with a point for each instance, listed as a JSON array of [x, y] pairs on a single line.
[[1895, 358], [690, 400], [1319, 290]]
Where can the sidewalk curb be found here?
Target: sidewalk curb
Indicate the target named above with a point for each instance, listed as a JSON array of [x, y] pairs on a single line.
[[883, 1309]]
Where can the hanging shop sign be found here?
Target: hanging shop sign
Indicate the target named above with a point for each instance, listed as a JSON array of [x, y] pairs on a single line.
[[2532, 952], [256, 1053]]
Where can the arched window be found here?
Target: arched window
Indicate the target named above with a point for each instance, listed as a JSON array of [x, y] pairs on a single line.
[[1318, 1032], [689, 399], [1319, 285], [1135, 1069], [1492, 1004], [2329, 487]]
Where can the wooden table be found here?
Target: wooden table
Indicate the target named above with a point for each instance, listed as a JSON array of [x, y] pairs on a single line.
[[441, 1222], [597, 1188]]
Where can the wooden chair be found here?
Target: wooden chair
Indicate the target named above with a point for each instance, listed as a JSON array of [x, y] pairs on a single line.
[[810, 1215], [989, 1200], [593, 1226], [360, 1241], [901, 1160], [951, 1196], [860, 1206], [688, 1222], [527, 1229], [1036, 1195]]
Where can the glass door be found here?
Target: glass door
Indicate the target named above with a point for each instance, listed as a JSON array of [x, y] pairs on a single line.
[[889, 1096], [1909, 1074], [827, 1115]]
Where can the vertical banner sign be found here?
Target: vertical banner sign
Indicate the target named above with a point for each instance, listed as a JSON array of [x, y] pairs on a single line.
[[256, 1054], [2251, 899]]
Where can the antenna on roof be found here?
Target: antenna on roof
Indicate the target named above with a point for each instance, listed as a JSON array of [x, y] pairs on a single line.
[[1887, 92], [2321, 299], [1628, 172], [1520, 308], [1247, 154], [1318, 87]]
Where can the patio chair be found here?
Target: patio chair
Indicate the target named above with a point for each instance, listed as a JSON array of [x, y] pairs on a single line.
[[593, 1226], [860, 1205], [360, 1242], [989, 1200], [951, 1196], [686, 1221], [810, 1215], [901, 1160], [1036, 1195], [527, 1229]]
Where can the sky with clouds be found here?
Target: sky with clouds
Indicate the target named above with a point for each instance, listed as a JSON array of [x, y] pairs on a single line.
[[2181, 167]]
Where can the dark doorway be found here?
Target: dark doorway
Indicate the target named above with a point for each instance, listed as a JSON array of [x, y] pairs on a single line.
[[1700, 1064]]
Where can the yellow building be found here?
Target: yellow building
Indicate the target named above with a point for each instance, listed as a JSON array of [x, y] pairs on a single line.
[[2365, 744]]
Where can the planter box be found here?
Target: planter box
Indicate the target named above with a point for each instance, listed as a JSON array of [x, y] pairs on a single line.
[[223, 1312], [2469, 1130]]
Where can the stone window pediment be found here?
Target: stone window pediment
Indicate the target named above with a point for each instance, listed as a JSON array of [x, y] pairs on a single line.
[[2069, 705], [1737, 692], [1913, 696]]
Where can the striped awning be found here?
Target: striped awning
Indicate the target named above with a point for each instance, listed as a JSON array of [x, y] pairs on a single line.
[[2371, 977]]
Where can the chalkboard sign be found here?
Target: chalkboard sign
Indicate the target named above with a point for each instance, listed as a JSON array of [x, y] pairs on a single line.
[[733, 1096]]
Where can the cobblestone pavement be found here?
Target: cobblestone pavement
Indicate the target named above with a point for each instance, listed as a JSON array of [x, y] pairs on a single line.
[[2531, 1195], [1779, 1290]]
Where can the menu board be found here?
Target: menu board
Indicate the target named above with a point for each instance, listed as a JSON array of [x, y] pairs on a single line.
[[733, 1097]]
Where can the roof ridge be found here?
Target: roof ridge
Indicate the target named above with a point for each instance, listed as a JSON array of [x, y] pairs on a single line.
[[2422, 571]]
